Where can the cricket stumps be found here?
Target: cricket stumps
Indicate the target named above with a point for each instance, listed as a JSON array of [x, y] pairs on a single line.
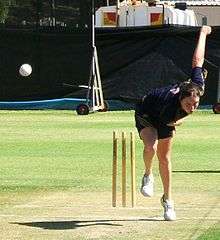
[[124, 150]]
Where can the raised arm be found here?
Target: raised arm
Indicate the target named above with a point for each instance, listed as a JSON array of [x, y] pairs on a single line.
[[199, 53]]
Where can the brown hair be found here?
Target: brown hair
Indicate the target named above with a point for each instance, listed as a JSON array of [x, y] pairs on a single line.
[[188, 89]]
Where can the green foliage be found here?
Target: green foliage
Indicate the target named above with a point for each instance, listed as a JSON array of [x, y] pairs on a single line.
[[3, 10]]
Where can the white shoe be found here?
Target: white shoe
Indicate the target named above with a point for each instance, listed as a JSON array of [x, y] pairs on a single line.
[[147, 186], [169, 212]]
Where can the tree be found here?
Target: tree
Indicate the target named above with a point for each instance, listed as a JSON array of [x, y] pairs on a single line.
[[3, 10]]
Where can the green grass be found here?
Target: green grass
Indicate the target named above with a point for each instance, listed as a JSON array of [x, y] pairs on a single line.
[[211, 234], [60, 150], [52, 149], [55, 151]]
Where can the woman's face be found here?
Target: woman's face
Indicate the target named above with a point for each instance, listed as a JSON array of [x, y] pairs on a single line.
[[190, 104]]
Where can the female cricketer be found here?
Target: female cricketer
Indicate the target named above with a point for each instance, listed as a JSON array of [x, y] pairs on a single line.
[[156, 117]]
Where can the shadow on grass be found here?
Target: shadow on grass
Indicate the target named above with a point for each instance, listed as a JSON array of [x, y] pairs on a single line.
[[64, 225], [196, 171]]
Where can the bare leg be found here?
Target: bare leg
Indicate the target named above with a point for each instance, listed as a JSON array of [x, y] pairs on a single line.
[[149, 138], [164, 156]]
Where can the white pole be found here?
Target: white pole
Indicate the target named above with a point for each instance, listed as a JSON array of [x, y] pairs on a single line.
[[93, 55], [96, 81], [117, 12], [107, 2]]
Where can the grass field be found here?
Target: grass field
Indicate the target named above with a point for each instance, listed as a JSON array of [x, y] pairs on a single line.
[[55, 171]]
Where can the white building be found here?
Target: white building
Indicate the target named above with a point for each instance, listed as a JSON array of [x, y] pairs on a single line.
[[208, 10], [155, 12]]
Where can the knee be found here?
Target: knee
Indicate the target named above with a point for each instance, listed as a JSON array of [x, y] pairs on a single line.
[[150, 149], [164, 160]]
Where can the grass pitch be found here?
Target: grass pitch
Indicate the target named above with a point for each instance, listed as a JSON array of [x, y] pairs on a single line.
[[55, 170]]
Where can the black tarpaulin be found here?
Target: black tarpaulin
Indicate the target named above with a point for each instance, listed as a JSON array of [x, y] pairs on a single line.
[[132, 60]]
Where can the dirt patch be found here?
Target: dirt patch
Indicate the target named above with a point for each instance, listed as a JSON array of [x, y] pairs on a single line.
[[71, 215]]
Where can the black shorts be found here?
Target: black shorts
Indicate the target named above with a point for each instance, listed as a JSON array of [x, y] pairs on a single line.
[[143, 120]]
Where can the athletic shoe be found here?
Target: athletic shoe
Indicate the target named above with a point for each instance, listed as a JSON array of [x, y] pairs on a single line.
[[169, 212], [147, 186]]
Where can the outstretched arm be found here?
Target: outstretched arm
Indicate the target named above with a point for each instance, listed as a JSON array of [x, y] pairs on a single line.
[[199, 53]]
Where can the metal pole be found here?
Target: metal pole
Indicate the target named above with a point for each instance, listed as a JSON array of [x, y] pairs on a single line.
[[52, 5], [93, 54], [93, 24], [117, 12]]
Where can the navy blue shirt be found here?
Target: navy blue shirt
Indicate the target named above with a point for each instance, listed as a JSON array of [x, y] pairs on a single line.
[[162, 105]]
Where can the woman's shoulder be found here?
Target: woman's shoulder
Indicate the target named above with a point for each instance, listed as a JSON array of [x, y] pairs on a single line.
[[165, 92]]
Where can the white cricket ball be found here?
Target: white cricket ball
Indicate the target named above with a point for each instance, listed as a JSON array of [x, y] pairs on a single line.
[[25, 69]]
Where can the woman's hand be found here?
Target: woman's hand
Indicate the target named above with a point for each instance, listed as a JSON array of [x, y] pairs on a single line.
[[176, 123], [206, 29]]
